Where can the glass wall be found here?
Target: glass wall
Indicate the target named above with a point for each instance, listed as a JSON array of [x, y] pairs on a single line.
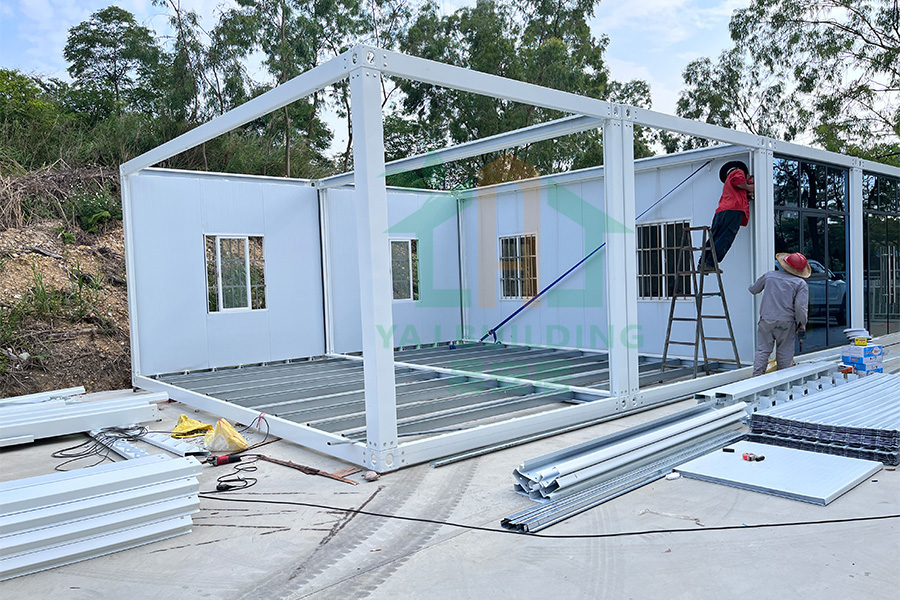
[[811, 202], [881, 203]]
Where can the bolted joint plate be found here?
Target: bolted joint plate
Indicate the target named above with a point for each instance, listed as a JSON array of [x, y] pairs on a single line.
[[382, 460]]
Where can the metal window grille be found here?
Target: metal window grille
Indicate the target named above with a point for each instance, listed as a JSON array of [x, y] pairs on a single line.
[[235, 273], [658, 245], [518, 266], [405, 269]]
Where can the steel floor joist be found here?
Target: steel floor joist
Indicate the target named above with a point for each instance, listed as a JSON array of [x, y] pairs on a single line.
[[441, 391]]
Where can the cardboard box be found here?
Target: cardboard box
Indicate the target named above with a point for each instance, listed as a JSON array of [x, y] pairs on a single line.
[[868, 371], [867, 361], [852, 351]]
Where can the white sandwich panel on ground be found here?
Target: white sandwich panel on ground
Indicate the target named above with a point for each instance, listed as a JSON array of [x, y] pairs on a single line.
[[61, 518], [170, 214], [567, 219], [428, 217], [785, 472]]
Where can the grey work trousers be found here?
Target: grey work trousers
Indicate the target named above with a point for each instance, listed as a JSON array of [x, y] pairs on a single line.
[[774, 333]]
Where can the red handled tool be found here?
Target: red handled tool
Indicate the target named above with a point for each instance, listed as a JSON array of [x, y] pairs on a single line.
[[223, 460]]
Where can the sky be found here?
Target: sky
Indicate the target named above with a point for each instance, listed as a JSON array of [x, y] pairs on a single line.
[[652, 40]]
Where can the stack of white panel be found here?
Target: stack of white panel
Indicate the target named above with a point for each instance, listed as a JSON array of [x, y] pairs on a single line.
[[42, 396], [20, 424], [57, 519]]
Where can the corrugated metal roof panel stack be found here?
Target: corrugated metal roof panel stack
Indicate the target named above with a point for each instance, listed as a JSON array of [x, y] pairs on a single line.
[[859, 420], [54, 520]]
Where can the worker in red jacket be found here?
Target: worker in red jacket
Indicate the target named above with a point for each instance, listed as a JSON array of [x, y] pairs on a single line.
[[734, 208]]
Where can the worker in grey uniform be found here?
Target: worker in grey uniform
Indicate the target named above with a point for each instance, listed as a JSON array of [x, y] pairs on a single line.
[[783, 312]]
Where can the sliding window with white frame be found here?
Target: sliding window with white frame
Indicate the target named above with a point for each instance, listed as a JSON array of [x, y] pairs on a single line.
[[235, 273]]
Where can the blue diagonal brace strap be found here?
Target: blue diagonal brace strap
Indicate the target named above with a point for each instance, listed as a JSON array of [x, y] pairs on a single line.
[[493, 331]]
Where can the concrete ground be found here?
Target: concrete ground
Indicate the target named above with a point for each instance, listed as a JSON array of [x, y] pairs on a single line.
[[267, 550]]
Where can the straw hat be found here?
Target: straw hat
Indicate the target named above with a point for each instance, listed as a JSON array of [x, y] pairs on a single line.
[[732, 164], [795, 264]]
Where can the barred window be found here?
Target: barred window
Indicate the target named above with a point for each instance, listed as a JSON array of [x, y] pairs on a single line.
[[405, 269], [658, 245], [235, 273], [518, 267]]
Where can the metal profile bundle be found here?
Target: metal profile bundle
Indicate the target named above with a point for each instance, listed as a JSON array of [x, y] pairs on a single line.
[[776, 387], [549, 513], [58, 519], [574, 469], [21, 424], [857, 420]]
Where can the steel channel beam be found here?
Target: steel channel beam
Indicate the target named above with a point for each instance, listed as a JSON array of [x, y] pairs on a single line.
[[463, 350], [354, 423], [333, 406], [235, 382], [477, 412], [308, 383], [546, 374], [241, 372], [402, 388], [545, 364], [507, 354], [321, 389], [599, 377]]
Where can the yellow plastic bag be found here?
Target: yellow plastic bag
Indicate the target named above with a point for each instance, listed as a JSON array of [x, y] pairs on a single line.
[[188, 428], [224, 438]]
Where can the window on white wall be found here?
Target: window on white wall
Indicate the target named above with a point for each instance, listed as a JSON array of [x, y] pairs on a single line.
[[235, 273], [518, 266], [405, 269], [658, 245]]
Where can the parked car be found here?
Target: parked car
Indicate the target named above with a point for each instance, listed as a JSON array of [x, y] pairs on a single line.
[[825, 284]]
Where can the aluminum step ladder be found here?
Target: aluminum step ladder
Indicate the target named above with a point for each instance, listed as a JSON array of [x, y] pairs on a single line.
[[694, 275]]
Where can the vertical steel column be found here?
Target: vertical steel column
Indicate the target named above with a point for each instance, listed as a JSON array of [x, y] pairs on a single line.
[[370, 198], [620, 262], [324, 249], [130, 283], [763, 219], [856, 318]]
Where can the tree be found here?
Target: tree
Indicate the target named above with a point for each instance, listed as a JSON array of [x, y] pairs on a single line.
[[545, 42], [111, 53], [735, 93], [827, 69]]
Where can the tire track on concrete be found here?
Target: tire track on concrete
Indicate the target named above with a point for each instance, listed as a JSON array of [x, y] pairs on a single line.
[[361, 552], [441, 499]]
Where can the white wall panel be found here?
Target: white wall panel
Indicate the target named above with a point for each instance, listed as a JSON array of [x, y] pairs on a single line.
[[171, 214], [573, 312], [430, 218]]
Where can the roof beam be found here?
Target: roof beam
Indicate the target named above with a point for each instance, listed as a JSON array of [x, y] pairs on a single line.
[[502, 141], [428, 71]]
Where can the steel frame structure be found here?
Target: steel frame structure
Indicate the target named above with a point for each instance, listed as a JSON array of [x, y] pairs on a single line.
[[364, 66]]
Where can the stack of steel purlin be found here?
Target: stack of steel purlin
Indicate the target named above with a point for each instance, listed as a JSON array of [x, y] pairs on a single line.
[[575, 479], [860, 420]]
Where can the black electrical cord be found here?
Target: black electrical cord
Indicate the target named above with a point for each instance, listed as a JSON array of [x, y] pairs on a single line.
[[95, 446], [208, 496], [235, 480]]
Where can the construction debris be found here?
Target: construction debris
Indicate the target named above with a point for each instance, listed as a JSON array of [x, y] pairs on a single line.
[[54, 520], [305, 469]]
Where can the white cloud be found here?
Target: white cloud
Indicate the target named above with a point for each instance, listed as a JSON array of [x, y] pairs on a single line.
[[663, 94]]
